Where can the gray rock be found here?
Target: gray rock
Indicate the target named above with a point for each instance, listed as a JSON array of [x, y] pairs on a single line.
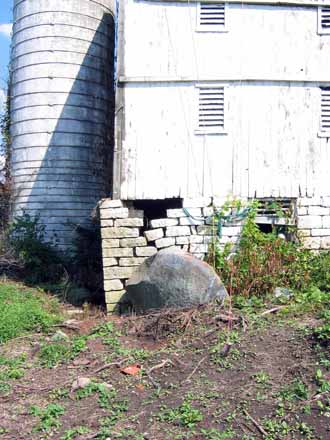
[[173, 279]]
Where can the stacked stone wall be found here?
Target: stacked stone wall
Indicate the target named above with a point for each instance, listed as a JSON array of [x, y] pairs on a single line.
[[313, 220], [128, 237]]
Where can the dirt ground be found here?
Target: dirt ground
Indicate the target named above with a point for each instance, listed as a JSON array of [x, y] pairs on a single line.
[[196, 376]]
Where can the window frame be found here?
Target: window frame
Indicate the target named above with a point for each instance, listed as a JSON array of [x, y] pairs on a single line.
[[211, 130], [211, 28], [320, 30]]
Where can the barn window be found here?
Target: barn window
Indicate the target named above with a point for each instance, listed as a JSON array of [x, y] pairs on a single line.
[[325, 112], [211, 109], [211, 17], [324, 21]]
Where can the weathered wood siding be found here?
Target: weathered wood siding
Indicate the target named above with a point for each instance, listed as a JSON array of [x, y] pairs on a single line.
[[273, 61]]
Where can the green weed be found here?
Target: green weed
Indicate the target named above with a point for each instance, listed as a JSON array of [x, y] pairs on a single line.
[[71, 434], [25, 310], [185, 415], [49, 416], [52, 354]]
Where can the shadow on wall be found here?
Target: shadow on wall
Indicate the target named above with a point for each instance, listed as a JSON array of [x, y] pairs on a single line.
[[62, 120]]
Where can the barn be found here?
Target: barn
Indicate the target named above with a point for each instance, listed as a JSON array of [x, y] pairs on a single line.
[[162, 111]]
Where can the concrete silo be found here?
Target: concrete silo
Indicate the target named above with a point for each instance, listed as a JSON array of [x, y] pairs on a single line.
[[61, 110]]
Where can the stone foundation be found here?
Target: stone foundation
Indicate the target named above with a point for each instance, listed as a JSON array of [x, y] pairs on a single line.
[[128, 237], [313, 220]]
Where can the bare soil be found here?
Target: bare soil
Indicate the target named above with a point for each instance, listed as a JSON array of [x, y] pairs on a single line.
[[199, 378]]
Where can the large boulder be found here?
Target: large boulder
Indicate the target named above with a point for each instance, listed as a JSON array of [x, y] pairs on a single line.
[[173, 279]]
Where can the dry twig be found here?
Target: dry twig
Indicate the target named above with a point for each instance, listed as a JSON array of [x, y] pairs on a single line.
[[256, 424], [194, 370]]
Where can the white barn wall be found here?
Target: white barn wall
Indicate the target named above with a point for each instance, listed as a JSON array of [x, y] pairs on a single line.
[[273, 61], [271, 147], [262, 42]]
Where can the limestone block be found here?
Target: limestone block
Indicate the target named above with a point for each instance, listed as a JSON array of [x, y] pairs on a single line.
[[164, 242], [196, 239], [177, 231], [208, 212], [198, 248], [164, 222], [312, 242], [114, 297], [326, 222], [325, 243], [309, 201], [118, 252], [147, 251], [110, 242], [114, 213], [154, 234], [182, 240], [193, 230], [108, 203], [305, 232], [231, 230], [320, 232], [302, 210], [318, 210], [107, 262], [209, 239], [133, 242], [106, 223], [133, 261], [120, 233], [187, 221], [177, 213], [206, 230], [129, 222], [113, 285], [116, 272], [198, 202], [309, 222]]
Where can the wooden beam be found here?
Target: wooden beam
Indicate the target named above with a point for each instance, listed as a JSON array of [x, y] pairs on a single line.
[[173, 79]]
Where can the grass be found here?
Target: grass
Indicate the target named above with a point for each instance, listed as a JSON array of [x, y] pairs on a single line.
[[24, 310]]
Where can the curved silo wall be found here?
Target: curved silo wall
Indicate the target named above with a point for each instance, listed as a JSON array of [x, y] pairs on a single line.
[[62, 107]]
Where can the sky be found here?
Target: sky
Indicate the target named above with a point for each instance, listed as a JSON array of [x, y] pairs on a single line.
[[5, 31]]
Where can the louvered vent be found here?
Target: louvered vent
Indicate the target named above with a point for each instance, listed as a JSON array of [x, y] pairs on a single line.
[[212, 17], [211, 110], [279, 211], [325, 110], [324, 20]]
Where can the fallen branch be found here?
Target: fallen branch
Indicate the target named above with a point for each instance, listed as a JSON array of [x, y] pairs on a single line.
[[112, 364], [194, 370], [161, 365], [256, 424], [273, 310]]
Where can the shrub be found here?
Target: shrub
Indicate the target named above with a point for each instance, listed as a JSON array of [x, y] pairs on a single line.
[[262, 261], [41, 261]]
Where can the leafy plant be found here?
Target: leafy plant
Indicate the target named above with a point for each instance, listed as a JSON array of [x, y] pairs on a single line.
[[24, 310], [52, 354], [185, 415], [71, 434], [261, 261], [49, 416]]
